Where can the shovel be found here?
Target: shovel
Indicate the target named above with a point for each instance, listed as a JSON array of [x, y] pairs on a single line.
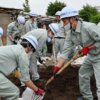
[[76, 55]]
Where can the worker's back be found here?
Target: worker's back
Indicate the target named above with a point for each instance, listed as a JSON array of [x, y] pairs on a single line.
[[10, 58]]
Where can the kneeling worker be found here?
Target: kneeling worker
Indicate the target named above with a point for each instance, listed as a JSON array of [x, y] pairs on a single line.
[[14, 57]]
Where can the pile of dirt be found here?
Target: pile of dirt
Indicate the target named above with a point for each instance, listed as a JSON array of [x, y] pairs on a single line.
[[66, 86]]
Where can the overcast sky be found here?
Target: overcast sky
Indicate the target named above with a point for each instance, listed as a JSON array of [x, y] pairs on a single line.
[[40, 6]]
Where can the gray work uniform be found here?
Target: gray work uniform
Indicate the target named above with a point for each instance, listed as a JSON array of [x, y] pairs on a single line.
[[86, 34], [11, 58], [1, 41], [59, 39], [29, 25], [41, 35], [14, 29]]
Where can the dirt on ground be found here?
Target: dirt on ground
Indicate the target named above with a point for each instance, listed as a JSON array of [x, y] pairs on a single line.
[[64, 87]]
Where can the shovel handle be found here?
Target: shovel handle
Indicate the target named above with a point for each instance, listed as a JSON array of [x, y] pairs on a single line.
[[65, 66], [76, 55]]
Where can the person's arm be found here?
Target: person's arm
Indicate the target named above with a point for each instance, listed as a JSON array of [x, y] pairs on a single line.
[[94, 32], [23, 63], [31, 85], [61, 61], [66, 52]]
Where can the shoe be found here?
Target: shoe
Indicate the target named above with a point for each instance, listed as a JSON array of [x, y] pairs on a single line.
[[80, 98]]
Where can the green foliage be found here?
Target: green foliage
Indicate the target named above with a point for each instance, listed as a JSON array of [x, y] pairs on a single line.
[[54, 7], [26, 6], [87, 12], [96, 18]]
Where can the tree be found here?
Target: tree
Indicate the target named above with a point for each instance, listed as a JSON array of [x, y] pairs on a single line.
[[54, 7], [26, 6], [96, 18], [87, 12]]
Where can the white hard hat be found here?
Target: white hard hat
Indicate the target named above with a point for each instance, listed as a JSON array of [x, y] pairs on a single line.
[[54, 28], [58, 13], [32, 13], [1, 31], [21, 19], [32, 40], [68, 12]]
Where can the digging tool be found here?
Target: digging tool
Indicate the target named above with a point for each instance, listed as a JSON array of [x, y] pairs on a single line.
[[65, 66]]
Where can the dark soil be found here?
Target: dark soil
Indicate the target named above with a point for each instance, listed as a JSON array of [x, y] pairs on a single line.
[[66, 86]]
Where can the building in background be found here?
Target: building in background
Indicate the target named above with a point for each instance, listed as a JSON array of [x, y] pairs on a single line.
[[8, 12]]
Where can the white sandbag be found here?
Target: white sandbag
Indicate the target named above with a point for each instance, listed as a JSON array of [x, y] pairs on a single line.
[[29, 94], [78, 61]]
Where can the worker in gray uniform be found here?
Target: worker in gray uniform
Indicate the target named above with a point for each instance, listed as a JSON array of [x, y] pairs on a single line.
[[12, 58], [60, 37], [15, 30], [1, 33], [87, 35], [31, 23], [41, 35]]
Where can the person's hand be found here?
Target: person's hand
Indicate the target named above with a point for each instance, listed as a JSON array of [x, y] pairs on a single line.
[[55, 69], [39, 91], [84, 51]]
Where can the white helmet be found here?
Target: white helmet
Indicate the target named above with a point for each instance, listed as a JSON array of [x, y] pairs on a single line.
[[58, 13], [68, 12], [54, 28], [1, 31], [32, 40], [32, 14], [21, 19]]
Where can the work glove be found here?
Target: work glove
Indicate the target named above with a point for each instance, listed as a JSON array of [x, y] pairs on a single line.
[[39, 91], [55, 70], [84, 51], [40, 60]]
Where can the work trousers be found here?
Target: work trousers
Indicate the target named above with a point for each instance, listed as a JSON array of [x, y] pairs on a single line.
[[90, 66]]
